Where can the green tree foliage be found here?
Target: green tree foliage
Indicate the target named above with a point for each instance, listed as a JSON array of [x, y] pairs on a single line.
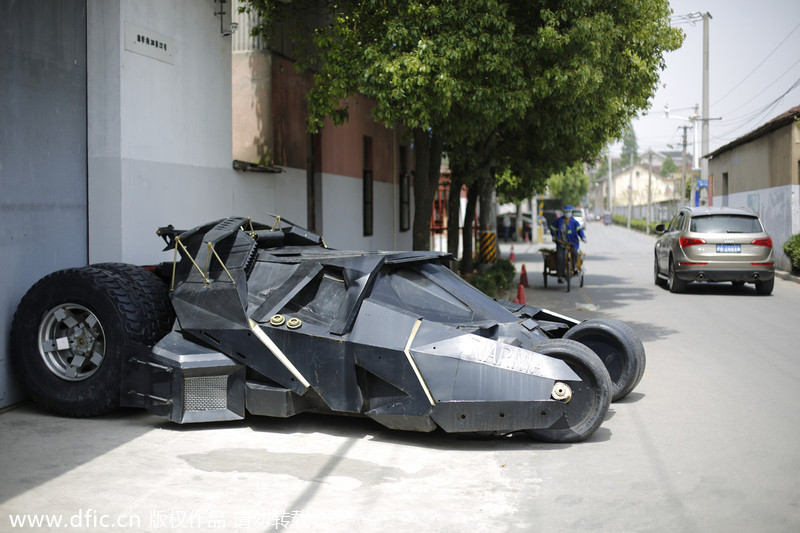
[[570, 185], [511, 188], [792, 248], [442, 69], [668, 167], [529, 86], [629, 146]]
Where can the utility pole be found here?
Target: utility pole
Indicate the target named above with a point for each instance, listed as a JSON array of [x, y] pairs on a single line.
[[630, 194], [683, 168], [610, 188], [649, 187], [696, 157], [704, 162]]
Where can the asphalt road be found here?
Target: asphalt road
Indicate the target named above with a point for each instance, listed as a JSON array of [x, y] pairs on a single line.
[[707, 442], [709, 439]]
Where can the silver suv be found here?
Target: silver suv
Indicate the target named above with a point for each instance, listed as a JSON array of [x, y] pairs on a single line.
[[714, 244]]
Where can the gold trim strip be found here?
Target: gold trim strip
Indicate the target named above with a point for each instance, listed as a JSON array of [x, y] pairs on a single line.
[[413, 364], [262, 336]]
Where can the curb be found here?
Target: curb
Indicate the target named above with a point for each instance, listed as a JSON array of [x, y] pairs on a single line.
[[787, 276]]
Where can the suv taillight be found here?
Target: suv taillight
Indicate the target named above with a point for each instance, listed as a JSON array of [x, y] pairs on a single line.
[[688, 241], [763, 242]]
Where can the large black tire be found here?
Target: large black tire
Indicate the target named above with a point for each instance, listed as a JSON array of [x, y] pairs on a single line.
[[68, 337], [591, 396], [152, 298], [637, 342], [618, 347]]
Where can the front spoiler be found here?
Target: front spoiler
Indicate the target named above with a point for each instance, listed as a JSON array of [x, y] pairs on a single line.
[[503, 417]]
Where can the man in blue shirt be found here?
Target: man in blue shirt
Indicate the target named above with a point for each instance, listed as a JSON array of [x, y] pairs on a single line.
[[566, 229]]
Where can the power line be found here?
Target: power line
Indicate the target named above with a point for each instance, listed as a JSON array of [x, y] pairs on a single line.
[[773, 83], [757, 66], [759, 114]]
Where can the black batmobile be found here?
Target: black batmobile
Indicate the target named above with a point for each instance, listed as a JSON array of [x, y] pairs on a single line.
[[266, 319]]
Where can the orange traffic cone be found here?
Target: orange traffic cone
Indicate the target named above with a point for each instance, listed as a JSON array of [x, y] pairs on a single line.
[[521, 294], [512, 257], [523, 277]]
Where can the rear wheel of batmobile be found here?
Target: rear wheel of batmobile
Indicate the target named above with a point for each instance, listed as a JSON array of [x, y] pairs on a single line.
[[151, 295], [590, 397], [68, 336], [618, 347]]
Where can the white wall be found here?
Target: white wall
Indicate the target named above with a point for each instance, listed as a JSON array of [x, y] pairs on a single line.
[[160, 133], [779, 209], [342, 215]]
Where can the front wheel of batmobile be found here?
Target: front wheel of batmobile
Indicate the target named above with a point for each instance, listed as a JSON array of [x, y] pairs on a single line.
[[618, 347], [589, 399]]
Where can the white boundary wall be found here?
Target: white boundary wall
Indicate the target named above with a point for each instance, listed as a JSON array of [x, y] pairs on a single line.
[[779, 209], [160, 133]]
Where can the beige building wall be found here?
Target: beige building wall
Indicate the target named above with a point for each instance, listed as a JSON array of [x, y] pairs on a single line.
[[763, 174], [662, 189], [251, 87], [766, 162]]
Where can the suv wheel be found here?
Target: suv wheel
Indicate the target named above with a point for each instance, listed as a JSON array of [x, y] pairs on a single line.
[[675, 284]]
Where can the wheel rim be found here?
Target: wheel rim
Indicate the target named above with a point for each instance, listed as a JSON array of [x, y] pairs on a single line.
[[583, 402], [71, 342]]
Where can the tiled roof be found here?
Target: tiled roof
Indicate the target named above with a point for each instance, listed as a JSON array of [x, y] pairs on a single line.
[[778, 122]]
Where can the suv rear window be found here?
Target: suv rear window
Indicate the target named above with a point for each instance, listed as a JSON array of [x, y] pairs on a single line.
[[725, 224]]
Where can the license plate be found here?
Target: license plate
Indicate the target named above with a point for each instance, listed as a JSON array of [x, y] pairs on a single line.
[[729, 248]]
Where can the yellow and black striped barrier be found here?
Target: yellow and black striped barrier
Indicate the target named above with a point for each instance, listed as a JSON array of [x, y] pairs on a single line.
[[488, 247]]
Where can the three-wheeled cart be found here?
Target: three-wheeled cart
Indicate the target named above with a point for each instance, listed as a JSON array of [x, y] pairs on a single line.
[[550, 257]]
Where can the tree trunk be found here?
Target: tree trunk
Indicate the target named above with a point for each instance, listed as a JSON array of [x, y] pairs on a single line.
[[467, 262], [487, 216], [428, 158], [453, 212]]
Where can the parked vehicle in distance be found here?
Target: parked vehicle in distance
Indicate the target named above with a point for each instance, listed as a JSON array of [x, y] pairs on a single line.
[[714, 244], [580, 215]]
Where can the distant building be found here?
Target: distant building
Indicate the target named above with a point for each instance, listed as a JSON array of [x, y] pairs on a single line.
[[633, 187], [761, 170]]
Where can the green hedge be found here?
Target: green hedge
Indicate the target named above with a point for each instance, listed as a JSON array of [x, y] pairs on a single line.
[[636, 223], [792, 249], [499, 277]]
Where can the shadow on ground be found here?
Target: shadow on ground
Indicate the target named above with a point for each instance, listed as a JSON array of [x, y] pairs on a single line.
[[39, 446]]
